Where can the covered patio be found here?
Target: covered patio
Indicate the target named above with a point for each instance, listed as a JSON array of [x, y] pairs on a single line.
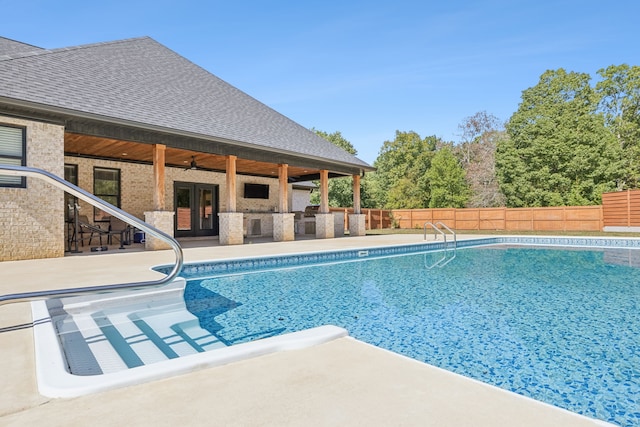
[[157, 136], [234, 224]]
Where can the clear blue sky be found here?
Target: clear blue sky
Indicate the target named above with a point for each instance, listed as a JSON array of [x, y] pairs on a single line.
[[364, 68]]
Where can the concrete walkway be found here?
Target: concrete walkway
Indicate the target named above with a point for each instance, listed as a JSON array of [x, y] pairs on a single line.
[[344, 382]]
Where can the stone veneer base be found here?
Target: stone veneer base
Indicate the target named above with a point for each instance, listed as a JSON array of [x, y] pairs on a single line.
[[357, 225], [325, 226], [231, 228], [163, 221], [283, 227]]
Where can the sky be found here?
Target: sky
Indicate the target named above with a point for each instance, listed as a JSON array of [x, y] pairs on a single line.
[[364, 68]]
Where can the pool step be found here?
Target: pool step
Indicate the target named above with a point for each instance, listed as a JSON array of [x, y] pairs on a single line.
[[117, 337]]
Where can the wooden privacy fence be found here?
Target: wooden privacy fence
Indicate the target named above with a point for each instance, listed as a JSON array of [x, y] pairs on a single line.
[[562, 218], [374, 218], [621, 209]]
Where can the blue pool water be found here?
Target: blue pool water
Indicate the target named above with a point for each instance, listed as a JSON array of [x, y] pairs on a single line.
[[560, 326]]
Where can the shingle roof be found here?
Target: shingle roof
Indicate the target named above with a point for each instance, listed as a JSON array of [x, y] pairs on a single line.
[[142, 81], [10, 48]]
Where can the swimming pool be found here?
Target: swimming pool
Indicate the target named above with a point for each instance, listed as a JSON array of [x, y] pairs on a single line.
[[507, 323], [556, 325]]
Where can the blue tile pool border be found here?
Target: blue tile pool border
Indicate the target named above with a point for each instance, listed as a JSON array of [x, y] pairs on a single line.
[[243, 265]]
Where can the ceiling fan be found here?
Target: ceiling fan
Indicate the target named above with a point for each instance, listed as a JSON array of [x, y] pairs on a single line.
[[193, 165]]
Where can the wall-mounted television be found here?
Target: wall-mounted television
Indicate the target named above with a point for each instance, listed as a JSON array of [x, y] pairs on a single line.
[[256, 191]]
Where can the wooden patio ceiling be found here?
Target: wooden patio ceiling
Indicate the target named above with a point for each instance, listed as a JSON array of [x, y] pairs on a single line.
[[113, 149]]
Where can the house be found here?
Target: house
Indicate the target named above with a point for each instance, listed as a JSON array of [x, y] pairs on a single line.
[[156, 135]]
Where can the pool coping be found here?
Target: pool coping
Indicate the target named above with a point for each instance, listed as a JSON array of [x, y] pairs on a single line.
[[240, 265]]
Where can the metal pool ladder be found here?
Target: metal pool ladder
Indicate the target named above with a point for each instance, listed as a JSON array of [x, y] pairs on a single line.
[[447, 256], [116, 212]]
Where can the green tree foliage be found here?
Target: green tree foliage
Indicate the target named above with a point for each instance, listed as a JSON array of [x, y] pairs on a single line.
[[446, 177], [336, 138], [558, 151], [341, 189], [620, 101], [401, 180]]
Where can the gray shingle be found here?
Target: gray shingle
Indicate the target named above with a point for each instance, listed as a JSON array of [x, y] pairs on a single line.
[[10, 48], [142, 81]]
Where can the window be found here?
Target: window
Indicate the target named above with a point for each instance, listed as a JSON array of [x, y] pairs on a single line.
[[70, 175], [12, 152], [106, 185]]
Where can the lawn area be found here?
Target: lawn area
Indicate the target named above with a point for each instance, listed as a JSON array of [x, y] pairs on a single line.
[[504, 232]]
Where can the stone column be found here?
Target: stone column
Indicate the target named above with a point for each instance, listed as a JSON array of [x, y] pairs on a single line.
[[338, 227], [283, 227], [231, 224], [163, 221], [325, 225], [357, 224]]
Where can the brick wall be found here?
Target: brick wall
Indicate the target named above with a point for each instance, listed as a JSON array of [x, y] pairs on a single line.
[[137, 186], [32, 218]]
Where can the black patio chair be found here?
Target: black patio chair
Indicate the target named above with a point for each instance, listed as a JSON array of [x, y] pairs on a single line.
[[121, 229]]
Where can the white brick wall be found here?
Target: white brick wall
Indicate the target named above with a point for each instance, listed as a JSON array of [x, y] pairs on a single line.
[[32, 218]]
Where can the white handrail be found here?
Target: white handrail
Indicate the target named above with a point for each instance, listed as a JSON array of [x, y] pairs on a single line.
[[436, 228], [107, 207], [443, 225]]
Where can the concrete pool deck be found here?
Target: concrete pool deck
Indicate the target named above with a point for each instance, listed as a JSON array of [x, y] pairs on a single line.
[[342, 382]]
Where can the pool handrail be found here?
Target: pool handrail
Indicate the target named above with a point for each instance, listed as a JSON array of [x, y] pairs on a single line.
[[435, 230], [78, 192], [455, 239]]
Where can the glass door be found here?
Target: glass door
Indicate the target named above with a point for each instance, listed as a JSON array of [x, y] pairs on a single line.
[[196, 209], [206, 220], [183, 206]]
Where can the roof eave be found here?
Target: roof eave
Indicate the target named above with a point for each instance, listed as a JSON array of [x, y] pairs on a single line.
[[68, 113]]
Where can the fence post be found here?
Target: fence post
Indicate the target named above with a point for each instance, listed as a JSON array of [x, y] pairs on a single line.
[[533, 223], [455, 218], [346, 219], [628, 208], [504, 218]]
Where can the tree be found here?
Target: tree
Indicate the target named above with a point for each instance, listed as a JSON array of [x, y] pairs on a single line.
[[620, 101], [558, 150], [400, 180], [337, 139], [448, 186], [480, 134], [341, 189]]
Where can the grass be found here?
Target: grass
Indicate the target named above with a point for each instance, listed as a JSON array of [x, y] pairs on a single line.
[[504, 232]]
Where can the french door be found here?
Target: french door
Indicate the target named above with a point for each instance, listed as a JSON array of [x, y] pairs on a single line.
[[196, 209]]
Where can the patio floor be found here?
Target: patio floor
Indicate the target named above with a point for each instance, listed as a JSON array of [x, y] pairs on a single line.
[[343, 382]]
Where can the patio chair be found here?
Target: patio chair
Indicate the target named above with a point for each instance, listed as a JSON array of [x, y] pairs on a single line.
[[119, 228], [84, 226]]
